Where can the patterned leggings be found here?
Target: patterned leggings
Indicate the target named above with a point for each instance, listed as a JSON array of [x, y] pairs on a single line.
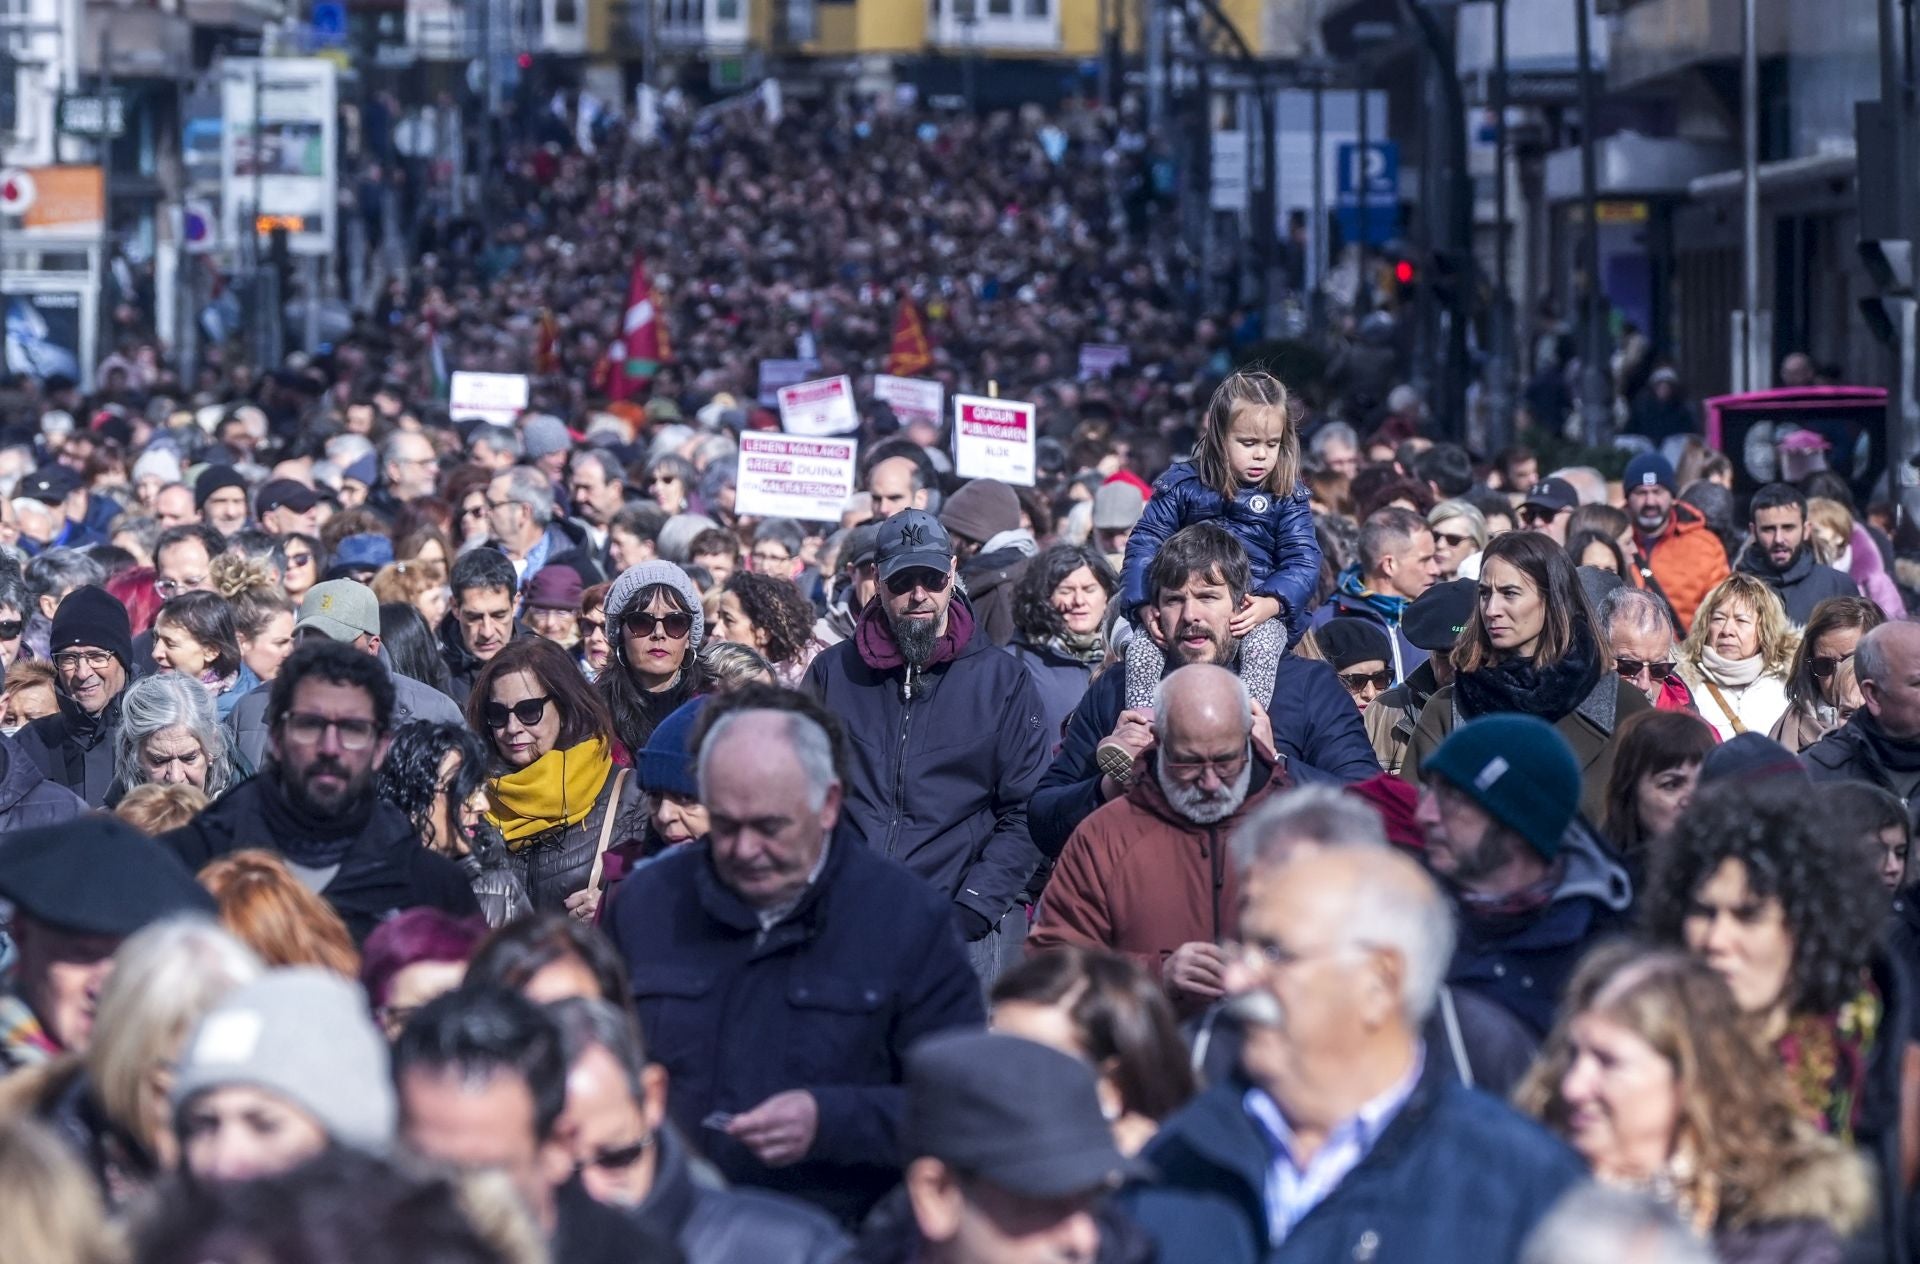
[[1260, 652]]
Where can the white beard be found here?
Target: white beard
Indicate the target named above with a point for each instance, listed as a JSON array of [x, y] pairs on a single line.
[[1203, 807]]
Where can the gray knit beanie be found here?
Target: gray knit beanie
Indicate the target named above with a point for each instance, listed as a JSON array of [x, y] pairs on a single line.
[[542, 434], [637, 579], [302, 1034]]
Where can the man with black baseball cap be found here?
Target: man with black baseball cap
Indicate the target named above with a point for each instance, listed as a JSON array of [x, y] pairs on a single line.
[[1432, 623], [1009, 1155], [92, 649], [284, 507], [947, 793], [1548, 505], [65, 495], [77, 890]]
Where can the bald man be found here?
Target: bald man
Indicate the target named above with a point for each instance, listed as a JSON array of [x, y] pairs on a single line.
[[1345, 1127], [1147, 874], [1880, 745]]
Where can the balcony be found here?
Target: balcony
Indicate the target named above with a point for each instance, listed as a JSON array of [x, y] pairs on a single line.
[[961, 26]]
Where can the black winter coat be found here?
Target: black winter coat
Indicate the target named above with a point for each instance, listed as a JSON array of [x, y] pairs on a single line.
[[714, 1224], [1852, 752], [555, 865], [941, 782], [385, 871], [1315, 725], [27, 798], [74, 749], [989, 580], [830, 999], [1802, 586]]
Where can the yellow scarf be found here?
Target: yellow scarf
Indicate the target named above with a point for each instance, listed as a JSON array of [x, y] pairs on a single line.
[[556, 790]]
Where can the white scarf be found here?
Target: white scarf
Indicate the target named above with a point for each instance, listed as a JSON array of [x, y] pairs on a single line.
[[1735, 673]]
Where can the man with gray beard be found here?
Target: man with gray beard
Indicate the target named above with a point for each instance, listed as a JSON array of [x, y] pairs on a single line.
[[1148, 875]]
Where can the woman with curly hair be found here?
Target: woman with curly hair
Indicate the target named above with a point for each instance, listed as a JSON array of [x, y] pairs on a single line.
[[437, 775], [1790, 914], [1833, 631], [1059, 625], [772, 617], [1737, 656], [1650, 1077]]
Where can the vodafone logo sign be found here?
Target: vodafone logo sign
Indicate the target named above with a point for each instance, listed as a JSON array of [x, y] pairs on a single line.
[[16, 191]]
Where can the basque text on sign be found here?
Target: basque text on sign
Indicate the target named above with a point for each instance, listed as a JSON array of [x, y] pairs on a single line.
[[821, 407], [788, 476], [993, 438]]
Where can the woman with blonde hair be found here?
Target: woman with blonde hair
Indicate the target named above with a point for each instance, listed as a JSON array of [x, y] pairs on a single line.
[[1651, 1075], [112, 1101], [1738, 656], [154, 808], [51, 1211], [278, 916], [1848, 547]]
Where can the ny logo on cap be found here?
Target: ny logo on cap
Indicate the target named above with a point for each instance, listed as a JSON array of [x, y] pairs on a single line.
[[910, 535], [1496, 768]]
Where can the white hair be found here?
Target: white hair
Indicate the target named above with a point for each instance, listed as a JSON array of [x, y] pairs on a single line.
[[1596, 1224], [811, 747], [1588, 483], [1322, 815], [162, 702], [1331, 433], [531, 488]]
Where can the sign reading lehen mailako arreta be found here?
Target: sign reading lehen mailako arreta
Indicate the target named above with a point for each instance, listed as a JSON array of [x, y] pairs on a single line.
[[794, 476]]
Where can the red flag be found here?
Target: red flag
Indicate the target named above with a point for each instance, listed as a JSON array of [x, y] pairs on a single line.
[[910, 353], [635, 356], [546, 347]]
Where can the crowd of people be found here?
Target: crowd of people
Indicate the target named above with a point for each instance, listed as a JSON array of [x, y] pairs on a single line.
[[1269, 836]]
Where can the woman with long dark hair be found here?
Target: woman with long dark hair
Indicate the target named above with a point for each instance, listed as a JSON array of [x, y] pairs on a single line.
[[437, 775], [1059, 624], [554, 794], [1532, 646], [412, 649], [655, 625], [1655, 767]]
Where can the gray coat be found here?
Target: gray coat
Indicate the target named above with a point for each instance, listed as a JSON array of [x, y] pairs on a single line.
[[247, 723]]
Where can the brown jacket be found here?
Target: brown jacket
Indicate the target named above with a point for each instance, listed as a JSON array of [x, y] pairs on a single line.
[[1138, 879]]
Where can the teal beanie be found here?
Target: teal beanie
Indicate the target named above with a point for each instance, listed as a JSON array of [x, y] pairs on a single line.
[[1519, 770]]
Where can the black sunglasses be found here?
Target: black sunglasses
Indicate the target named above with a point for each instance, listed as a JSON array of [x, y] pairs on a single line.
[[11, 628], [1356, 681], [1449, 539], [677, 625], [528, 711], [1532, 514], [1822, 667], [621, 1159], [918, 577], [1631, 667]]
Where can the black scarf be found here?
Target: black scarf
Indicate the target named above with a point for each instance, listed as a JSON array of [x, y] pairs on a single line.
[[1891, 754], [1552, 691], [302, 837]]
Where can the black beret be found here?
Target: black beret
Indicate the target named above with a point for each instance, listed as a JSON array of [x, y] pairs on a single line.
[[1347, 641], [1437, 616], [96, 875]]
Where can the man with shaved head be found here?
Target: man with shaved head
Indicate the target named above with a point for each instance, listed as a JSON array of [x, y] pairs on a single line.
[[1148, 875], [1345, 1136], [1880, 745]]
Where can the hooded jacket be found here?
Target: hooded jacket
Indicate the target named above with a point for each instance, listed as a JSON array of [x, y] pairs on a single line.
[[1858, 751], [74, 749], [1351, 600], [941, 766], [991, 575], [1802, 586], [247, 722], [1867, 568], [1140, 879], [27, 798], [385, 868], [1687, 559]]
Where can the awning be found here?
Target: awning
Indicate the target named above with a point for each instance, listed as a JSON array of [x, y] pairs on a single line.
[[1776, 176]]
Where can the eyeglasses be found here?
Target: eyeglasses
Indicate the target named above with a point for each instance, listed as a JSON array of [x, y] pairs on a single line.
[[528, 711], [296, 560], [621, 1159], [73, 660], [474, 511], [307, 730], [918, 577], [1194, 769], [1533, 515], [1822, 667], [1451, 540], [1356, 681], [590, 625], [174, 587], [676, 625], [1630, 669], [770, 559], [10, 628]]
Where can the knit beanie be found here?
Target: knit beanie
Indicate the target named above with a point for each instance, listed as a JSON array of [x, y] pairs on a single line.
[[160, 463], [302, 1034], [637, 579], [1649, 469], [87, 618], [982, 510], [212, 479], [1519, 770], [666, 762], [1750, 758], [542, 434]]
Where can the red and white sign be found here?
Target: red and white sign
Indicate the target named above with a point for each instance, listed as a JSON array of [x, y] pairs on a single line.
[[496, 397], [993, 438], [16, 191], [823, 406], [791, 476], [911, 398]]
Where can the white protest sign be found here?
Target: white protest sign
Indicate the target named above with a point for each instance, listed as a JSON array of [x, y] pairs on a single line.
[[911, 398], [993, 438], [787, 476], [823, 406], [495, 397]]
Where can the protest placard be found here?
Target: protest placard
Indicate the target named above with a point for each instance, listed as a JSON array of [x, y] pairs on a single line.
[[1100, 359], [789, 476], [911, 398], [775, 374], [495, 397], [820, 407], [993, 438]]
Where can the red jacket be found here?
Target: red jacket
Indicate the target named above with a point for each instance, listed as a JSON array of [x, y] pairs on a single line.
[[1138, 879]]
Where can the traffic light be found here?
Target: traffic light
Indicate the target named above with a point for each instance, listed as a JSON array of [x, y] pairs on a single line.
[[1405, 273], [1889, 265]]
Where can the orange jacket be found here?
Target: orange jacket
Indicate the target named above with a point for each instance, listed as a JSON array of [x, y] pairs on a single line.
[[1688, 560]]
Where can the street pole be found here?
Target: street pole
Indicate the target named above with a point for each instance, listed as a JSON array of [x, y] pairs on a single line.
[[1754, 358], [1157, 74], [1363, 292], [1500, 384], [1596, 402], [1317, 265]]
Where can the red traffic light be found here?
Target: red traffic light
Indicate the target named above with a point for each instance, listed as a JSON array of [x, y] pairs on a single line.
[[526, 61], [1403, 271]]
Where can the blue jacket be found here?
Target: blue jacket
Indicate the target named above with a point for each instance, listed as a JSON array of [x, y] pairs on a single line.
[[941, 783], [1457, 1178], [28, 799], [1276, 531], [1406, 655], [1061, 681], [829, 1000], [1315, 725]]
